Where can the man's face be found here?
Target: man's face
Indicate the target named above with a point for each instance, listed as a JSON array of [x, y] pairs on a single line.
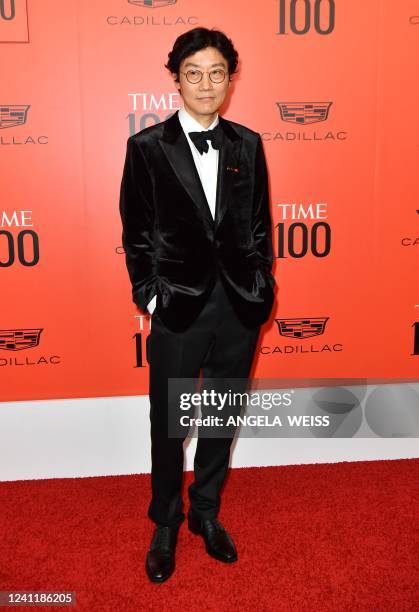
[[203, 99]]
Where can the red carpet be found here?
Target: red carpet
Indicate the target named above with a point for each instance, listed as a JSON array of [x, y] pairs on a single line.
[[341, 537]]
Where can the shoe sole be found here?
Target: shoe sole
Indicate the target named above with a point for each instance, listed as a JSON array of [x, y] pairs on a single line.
[[209, 551]]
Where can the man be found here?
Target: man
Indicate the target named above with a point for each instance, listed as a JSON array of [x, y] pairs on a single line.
[[197, 235]]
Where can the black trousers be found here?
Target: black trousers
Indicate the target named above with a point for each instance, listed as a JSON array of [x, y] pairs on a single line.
[[222, 347]]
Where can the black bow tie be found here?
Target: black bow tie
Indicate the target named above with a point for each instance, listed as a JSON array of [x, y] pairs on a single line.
[[200, 139]]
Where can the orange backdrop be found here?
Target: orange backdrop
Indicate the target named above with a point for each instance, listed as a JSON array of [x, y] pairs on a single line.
[[332, 88]]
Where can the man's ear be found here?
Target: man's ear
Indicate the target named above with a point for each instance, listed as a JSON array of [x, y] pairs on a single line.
[[175, 77]]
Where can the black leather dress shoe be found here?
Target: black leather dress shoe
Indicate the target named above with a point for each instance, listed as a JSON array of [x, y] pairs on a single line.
[[160, 560], [218, 542]]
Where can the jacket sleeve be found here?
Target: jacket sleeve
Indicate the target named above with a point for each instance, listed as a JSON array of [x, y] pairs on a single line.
[[137, 216], [261, 223]]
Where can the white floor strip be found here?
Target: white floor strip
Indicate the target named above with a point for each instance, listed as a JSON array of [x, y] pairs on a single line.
[[106, 436]]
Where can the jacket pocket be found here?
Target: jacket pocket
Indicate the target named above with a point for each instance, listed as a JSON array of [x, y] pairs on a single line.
[[180, 261]]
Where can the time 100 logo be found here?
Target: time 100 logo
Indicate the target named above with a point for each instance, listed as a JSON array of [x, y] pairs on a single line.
[[7, 9], [318, 15]]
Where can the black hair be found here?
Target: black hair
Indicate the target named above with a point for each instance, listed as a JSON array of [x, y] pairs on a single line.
[[196, 39]]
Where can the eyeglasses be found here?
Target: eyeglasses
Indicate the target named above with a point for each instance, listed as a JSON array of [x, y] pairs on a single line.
[[195, 76]]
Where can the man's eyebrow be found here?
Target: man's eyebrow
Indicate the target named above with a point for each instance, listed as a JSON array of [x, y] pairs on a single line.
[[197, 65]]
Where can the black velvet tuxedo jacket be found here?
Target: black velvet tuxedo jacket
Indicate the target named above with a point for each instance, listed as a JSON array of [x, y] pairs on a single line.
[[173, 246]]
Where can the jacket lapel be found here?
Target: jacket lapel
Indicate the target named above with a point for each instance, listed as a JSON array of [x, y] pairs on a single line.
[[176, 148], [229, 157]]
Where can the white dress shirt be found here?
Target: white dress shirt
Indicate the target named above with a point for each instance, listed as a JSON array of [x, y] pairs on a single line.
[[206, 165]]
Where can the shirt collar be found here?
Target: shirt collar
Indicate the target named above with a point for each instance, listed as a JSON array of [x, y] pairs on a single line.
[[190, 124]]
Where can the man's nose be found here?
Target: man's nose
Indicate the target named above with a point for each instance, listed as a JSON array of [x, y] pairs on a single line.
[[206, 82]]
